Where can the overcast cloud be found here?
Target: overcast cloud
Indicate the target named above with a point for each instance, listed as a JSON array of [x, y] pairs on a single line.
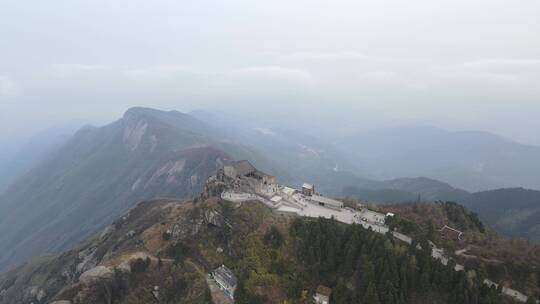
[[453, 64]]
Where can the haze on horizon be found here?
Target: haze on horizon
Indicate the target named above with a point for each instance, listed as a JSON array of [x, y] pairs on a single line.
[[336, 64]]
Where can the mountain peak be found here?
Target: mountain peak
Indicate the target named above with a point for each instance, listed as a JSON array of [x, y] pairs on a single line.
[[140, 111], [175, 119]]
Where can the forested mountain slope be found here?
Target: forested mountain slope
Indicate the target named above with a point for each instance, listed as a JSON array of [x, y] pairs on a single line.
[[514, 212]]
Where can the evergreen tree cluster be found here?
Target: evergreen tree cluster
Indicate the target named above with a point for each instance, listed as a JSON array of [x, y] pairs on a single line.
[[364, 267]]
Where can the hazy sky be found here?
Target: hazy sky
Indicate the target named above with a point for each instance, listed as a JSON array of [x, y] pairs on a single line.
[[453, 64]]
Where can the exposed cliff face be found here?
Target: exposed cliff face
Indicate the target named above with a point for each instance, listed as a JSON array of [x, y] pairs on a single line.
[[133, 134]]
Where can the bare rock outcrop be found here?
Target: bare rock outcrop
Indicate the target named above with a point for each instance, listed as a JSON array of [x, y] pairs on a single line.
[[196, 221], [96, 275]]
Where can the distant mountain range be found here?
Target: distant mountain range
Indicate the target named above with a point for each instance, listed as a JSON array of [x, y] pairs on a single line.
[[469, 160], [82, 183], [474, 161], [378, 166], [405, 190], [513, 212]]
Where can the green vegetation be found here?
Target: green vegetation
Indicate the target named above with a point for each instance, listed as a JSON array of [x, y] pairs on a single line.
[[277, 259], [287, 262], [179, 284], [460, 216], [505, 260], [273, 238], [403, 225], [178, 252], [378, 269]]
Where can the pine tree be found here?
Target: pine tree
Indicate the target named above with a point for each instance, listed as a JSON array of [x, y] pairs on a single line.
[[425, 280], [389, 295], [412, 272], [371, 296], [366, 274], [340, 294], [403, 282], [351, 254], [531, 300]]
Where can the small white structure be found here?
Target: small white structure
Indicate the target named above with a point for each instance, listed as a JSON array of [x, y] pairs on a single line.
[[326, 202], [276, 199], [308, 189], [322, 295], [226, 280]]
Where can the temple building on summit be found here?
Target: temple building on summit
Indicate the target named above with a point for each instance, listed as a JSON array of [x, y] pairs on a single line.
[[244, 168]]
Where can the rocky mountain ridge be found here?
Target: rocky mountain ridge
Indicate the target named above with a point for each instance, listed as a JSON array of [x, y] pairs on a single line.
[[101, 172]]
